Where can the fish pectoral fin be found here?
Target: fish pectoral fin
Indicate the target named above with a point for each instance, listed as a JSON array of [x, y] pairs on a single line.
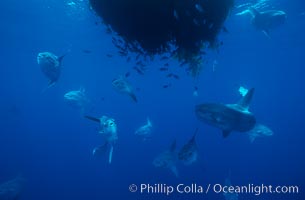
[[266, 33], [226, 133], [133, 96], [100, 150], [110, 154]]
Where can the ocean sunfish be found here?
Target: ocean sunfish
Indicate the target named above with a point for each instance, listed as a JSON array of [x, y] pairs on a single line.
[[50, 66], [167, 159], [145, 130], [259, 130], [76, 98], [124, 87], [267, 20], [228, 117], [108, 129]]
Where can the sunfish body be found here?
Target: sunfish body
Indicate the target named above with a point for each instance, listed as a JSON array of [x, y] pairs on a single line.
[[167, 159], [228, 117], [267, 20], [50, 66], [188, 154], [124, 87], [145, 130], [259, 130], [108, 129]]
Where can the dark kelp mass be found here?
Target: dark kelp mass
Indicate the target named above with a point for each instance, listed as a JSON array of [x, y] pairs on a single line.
[[179, 27]]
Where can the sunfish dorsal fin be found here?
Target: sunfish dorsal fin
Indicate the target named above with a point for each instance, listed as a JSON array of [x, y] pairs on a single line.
[[61, 58], [93, 118], [244, 102]]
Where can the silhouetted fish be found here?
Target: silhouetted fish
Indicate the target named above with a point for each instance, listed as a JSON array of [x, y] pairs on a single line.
[[86, 51], [189, 152]]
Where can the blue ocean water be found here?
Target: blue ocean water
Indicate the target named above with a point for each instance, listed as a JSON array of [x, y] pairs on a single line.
[[50, 144]]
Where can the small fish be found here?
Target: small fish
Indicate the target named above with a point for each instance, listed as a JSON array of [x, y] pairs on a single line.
[[128, 59], [163, 69], [109, 55], [183, 63], [122, 53], [173, 75], [164, 58], [176, 15], [140, 63], [86, 51], [127, 74], [196, 22], [166, 86], [139, 71], [199, 8], [176, 76], [166, 65], [211, 26], [114, 40]]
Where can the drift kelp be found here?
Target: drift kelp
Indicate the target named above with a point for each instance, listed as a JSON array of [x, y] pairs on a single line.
[[179, 27]]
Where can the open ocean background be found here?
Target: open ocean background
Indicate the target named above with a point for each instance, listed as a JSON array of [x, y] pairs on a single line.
[[50, 144]]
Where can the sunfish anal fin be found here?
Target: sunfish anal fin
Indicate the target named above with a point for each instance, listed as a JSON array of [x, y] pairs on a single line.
[[100, 150], [110, 154]]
